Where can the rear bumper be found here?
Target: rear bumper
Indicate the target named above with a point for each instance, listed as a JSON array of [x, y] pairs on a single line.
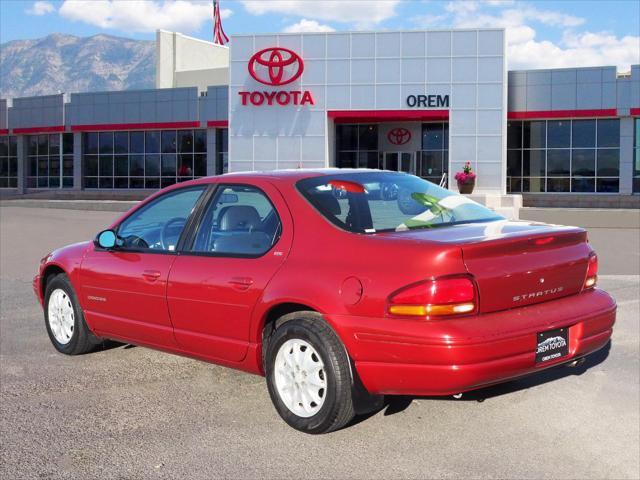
[[410, 357]]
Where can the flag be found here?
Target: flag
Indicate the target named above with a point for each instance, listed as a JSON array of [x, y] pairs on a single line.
[[219, 36]]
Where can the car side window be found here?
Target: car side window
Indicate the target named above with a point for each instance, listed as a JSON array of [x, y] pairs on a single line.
[[158, 225], [239, 220]]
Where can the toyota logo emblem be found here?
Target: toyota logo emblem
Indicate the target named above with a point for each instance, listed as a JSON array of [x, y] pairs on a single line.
[[399, 136], [276, 66]]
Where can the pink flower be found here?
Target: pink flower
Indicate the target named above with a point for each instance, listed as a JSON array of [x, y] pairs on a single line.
[[466, 175], [463, 177]]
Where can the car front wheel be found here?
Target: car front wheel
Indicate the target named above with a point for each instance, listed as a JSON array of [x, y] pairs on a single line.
[[309, 376], [64, 320]]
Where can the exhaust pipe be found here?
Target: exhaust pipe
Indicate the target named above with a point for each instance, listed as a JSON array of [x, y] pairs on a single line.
[[576, 363]]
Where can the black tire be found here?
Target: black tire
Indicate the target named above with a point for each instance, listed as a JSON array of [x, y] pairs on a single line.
[[82, 340], [337, 409]]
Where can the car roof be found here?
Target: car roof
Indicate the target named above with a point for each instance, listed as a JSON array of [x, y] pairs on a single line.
[[286, 175]]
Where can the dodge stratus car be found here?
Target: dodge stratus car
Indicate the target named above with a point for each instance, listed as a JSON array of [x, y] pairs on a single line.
[[339, 286]]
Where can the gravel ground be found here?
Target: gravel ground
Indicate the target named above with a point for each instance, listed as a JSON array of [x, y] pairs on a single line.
[[130, 412]]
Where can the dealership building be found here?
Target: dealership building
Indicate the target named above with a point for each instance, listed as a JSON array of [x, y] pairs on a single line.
[[423, 102]]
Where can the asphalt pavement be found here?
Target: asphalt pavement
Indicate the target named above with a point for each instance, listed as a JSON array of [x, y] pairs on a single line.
[[130, 412]]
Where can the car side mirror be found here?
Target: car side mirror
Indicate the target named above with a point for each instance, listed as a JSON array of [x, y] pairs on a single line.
[[106, 239]]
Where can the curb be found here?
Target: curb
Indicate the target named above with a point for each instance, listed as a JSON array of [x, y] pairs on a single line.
[[622, 218]]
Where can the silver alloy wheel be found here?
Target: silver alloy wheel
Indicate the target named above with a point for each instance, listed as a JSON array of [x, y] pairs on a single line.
[[61, 316], [300, 377]]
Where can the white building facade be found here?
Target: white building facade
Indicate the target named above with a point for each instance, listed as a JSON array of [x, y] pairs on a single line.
[[443, 91]]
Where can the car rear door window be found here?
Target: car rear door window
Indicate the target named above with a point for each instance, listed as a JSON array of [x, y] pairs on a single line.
[[159, 225], [239, 221]]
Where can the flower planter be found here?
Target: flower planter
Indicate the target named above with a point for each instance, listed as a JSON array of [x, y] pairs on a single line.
[[466, 179], [466, 187]]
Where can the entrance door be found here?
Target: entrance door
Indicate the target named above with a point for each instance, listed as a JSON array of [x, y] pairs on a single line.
[[400, 162]]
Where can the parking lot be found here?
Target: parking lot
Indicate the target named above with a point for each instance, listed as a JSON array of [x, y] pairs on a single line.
[[129, 412]]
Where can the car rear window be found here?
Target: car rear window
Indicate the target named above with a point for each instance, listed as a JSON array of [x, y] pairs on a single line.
[[371, 202]]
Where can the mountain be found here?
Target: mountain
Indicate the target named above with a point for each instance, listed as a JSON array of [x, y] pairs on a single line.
[[66, 63]]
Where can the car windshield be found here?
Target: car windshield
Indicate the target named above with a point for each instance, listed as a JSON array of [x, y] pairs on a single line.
[[371, 202]]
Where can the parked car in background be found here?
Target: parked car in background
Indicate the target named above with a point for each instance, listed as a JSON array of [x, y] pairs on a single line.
[[339, 286]]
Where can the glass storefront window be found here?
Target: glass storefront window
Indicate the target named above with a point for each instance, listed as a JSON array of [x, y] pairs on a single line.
[[514, 134], [8, 162], [169, 141], [563, 156], [514, 163], [534, 163], [584, 163], [558, 162], [357, 146], [222, 149], [50, 160], [583, 133], [534, 134], [608, 163], [559, 134], [148, 160], [608, 133], [433, 136]]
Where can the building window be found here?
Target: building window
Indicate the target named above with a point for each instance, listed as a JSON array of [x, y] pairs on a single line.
[[8, 162], [579, 156], [50, 160], [149, 160], [433, 160], [636, 156], [222, 151], [357, 146]]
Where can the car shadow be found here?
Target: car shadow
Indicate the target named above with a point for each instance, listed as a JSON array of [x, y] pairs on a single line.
[[106, 345], [394, 404]]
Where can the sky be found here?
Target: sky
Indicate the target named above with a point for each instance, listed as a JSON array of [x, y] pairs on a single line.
[[540, 34]]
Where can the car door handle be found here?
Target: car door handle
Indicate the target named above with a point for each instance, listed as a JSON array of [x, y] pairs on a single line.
[[151, 275], [241, 283]]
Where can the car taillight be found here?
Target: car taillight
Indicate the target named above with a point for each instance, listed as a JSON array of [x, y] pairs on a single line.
[[592, 271], [435, 298]]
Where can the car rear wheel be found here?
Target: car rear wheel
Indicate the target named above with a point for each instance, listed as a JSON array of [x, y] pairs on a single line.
[[309, 376], [64, 320]]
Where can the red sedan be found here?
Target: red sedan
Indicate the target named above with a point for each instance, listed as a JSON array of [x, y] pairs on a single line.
[[339, 286]]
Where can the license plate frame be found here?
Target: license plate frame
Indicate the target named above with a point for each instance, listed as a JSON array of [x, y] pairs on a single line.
[[552, 345]]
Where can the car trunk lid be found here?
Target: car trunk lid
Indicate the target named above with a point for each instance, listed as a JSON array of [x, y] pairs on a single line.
[[518, 263]]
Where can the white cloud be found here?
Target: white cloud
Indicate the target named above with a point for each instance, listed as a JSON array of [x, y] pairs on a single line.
[[524, 50], [586, 49], [470, 12], [499, 3], [40, 8], [141, 15], [362, 13], [304, 26]]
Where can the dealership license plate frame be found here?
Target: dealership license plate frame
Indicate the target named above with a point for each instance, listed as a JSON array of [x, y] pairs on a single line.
[[552, 345]]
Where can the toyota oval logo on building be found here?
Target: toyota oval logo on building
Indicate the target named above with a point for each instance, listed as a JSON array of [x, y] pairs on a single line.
[[399, 136], [276, 66]]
